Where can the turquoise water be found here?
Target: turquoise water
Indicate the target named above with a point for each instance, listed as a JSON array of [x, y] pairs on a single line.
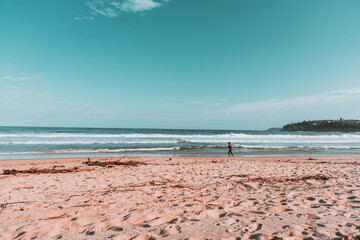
[[45, 142]]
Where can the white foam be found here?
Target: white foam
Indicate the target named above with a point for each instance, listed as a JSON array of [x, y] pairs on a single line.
[[297, 147], [163, 142], [179, 136], [96, 151], [82, 142]]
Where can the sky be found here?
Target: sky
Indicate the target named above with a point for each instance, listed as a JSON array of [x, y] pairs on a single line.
[[198, 64]]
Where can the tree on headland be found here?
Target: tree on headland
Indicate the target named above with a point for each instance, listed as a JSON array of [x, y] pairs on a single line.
[[340, 125]]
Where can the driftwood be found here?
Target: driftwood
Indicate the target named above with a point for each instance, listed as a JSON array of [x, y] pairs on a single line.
[[34, 170], [131, 163]]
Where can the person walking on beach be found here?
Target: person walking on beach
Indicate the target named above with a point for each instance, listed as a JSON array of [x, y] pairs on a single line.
[[230, 149]]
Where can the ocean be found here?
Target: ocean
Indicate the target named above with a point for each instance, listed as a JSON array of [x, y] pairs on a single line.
[[54, 142]]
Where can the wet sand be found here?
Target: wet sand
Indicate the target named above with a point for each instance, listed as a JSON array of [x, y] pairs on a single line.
[[182, 198]]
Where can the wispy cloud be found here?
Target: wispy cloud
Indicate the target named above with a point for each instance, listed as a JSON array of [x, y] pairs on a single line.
[[355, 91], [274, 103], [137, 5], [197, 103], [19, 78], [112, 8], [87, 18]]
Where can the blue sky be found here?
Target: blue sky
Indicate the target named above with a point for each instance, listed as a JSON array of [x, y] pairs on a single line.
[[231, 64]]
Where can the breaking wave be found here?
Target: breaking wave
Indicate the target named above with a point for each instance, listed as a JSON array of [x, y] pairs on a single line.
[[15, 140]]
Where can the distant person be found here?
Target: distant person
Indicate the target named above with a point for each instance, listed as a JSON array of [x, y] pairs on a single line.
[[230, 149]]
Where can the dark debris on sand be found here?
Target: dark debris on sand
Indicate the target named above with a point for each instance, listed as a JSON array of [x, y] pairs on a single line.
[[108, 163], [41, 171], [279, 180]]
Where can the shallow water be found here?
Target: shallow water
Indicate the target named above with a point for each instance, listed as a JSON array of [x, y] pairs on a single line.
[[45, 142]]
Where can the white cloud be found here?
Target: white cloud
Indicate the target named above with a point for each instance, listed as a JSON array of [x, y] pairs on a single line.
[[78, 18], [138, 5], [219, 102], [19, 78], [319, 99], [112, 8], [355, 91]]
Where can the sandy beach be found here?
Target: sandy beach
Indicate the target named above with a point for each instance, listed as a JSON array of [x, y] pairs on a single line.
[[181, 198]]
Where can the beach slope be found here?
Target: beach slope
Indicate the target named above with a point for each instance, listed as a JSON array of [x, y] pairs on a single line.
[[181, 198]]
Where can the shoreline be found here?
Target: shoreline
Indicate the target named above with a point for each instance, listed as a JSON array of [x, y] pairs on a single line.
[[182, 198], [33, 143], [254, 154], [165, 158]]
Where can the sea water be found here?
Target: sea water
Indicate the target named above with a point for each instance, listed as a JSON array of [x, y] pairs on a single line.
[[50, 142]]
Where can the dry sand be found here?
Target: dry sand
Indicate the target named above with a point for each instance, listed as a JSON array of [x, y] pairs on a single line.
[[183, 198]]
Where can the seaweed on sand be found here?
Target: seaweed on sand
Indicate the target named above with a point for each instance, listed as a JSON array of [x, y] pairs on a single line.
[[279, 180], [131, 163], [35, 170]]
